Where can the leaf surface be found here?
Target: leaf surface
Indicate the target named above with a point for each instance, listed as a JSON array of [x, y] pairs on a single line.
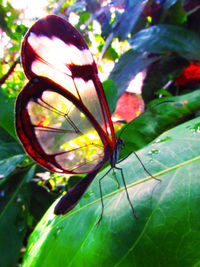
[[7, 114], [165, 38], [167, 231]]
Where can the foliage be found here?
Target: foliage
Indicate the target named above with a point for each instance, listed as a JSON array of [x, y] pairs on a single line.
[[163, 39], [167, 228]]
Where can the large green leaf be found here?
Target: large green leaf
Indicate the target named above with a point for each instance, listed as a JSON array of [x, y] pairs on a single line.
[[167, 231], [167, 38]]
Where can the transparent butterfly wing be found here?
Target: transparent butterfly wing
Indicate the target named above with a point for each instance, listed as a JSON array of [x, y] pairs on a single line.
[[56, 130]]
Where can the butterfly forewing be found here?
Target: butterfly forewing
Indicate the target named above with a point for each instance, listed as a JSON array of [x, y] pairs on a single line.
[[53, 48], [57, 129]]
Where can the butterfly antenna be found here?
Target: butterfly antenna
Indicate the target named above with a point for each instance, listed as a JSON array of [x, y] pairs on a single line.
[[166, 101]]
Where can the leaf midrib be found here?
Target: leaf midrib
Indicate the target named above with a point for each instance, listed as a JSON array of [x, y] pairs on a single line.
[[131, 185]]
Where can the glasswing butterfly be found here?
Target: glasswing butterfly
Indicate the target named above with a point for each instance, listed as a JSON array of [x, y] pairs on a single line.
[[62, 116]]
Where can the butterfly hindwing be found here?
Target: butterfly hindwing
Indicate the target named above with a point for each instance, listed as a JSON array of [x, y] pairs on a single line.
[[56, 130]]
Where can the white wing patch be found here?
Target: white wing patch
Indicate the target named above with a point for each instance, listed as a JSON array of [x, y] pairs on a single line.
[[79, 57], [55, 57], [41, 69], [58, 53]]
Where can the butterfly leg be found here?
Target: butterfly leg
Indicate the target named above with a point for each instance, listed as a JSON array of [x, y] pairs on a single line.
[[140, 163], [118, 184], [126, 190], [101, 195], [145, 168]]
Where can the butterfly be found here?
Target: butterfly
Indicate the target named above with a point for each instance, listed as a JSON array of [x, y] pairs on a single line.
[[61, 115]]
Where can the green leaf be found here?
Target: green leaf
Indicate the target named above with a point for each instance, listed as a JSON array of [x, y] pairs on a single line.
[[7, 114], [110, 53], [127, 20], [11, 154], [10, 186], [10, 164], [3, 24], [162, 39], [12, 231], [83, 17], [173, 13], [12, 217], [8, 145], [168, 3], [110, 90], [129, 64], [158, 118], [40, 199], [167, 231]]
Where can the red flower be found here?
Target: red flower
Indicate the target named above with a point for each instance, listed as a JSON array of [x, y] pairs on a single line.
[[191, 73]]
